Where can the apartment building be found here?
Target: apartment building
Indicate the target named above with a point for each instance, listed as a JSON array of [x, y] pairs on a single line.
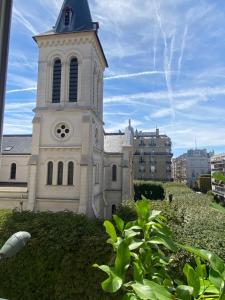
[[189, 166], [218, 165], [152, 156]]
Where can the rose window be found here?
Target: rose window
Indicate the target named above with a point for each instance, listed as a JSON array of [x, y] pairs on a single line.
[[62, 131]]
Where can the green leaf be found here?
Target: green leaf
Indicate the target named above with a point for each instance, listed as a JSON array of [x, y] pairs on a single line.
[[201, 268], [163, 240], [138, 272], [130, 296], [215, 279], [112, 284], [110, 229], [104, 268], [119, 223], [122, 261], [129, 233], [222, 292], [154, 214], [184, 292], [192, 279], [161, 228], [130, 224], [134, 245], [151, 290], [143, 209], [215, 262]]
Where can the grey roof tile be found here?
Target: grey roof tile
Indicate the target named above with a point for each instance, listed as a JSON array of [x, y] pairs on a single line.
[[16, 144]]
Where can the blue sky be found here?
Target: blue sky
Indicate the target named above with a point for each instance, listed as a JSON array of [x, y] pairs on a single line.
[[166, 67]]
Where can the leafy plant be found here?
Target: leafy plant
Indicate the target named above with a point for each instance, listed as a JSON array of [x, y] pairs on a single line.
[[141, 267]]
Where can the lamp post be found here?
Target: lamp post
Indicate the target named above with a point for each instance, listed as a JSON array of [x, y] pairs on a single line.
[[14, 244], [5, 21]]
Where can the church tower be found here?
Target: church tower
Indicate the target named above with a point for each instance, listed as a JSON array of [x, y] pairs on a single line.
[[66, 166]]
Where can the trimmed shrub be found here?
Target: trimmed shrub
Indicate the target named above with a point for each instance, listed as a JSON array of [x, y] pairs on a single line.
[[56, 264], [149, 189], [192, 220]]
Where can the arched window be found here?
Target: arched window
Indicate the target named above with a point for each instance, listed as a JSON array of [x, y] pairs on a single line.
[[13, 171], [50, 173], [113, 209], [114, 173], [56, 84], [73, 80], [70, 173], [60, 173]]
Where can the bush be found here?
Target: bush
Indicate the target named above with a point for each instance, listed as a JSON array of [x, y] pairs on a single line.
[[126, 211], [56, 264], [148, 189], [192, 220]]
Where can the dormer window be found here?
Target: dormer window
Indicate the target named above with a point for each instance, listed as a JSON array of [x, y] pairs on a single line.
[[67, 16]]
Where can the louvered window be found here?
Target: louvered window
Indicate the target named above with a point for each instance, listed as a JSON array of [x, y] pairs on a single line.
[[67, 16], [70, 173], [73, 80], [56, 85], [50, 173], [60, 173]]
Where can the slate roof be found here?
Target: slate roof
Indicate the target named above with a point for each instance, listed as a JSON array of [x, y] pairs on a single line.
[[80, 20], [16, 144]]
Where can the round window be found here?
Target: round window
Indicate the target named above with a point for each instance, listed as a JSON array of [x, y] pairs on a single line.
[[62, 131]]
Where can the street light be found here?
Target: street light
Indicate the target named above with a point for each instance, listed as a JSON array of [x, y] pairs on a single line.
[[5, 21], [14, 244]]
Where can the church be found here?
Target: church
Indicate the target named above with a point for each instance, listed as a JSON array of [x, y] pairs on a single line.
[[69, 162]]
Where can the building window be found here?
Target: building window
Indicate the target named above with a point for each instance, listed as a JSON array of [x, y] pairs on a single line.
[[97, 173], [70, 173], [152, 169], [67, 16], [13, 171], [114, 173], [50, 173], [113, 209], [73, 80], [56, 84], [60, 173]]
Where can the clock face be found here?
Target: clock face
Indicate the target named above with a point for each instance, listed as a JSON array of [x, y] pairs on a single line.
[[62, 131]]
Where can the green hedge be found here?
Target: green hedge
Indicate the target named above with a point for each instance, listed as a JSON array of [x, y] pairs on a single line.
[[193, 221], [149, 189], [56, 264]]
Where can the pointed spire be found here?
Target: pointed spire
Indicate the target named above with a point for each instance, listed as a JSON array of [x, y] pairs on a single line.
[[75, 16]]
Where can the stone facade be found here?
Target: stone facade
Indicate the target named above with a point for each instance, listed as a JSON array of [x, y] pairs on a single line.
[[152, 156], [218, 165], [68, 167], [189, 166]]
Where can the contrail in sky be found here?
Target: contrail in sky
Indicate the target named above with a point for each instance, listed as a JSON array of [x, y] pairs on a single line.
[[120, 76]]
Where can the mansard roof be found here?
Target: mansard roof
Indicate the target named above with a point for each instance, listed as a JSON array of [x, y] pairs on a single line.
[[77, 15], [17, 144]]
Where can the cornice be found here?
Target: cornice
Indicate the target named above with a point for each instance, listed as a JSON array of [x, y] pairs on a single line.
[[71, 39]]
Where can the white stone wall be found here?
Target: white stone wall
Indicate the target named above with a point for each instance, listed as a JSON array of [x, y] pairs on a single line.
[[21, 162]]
